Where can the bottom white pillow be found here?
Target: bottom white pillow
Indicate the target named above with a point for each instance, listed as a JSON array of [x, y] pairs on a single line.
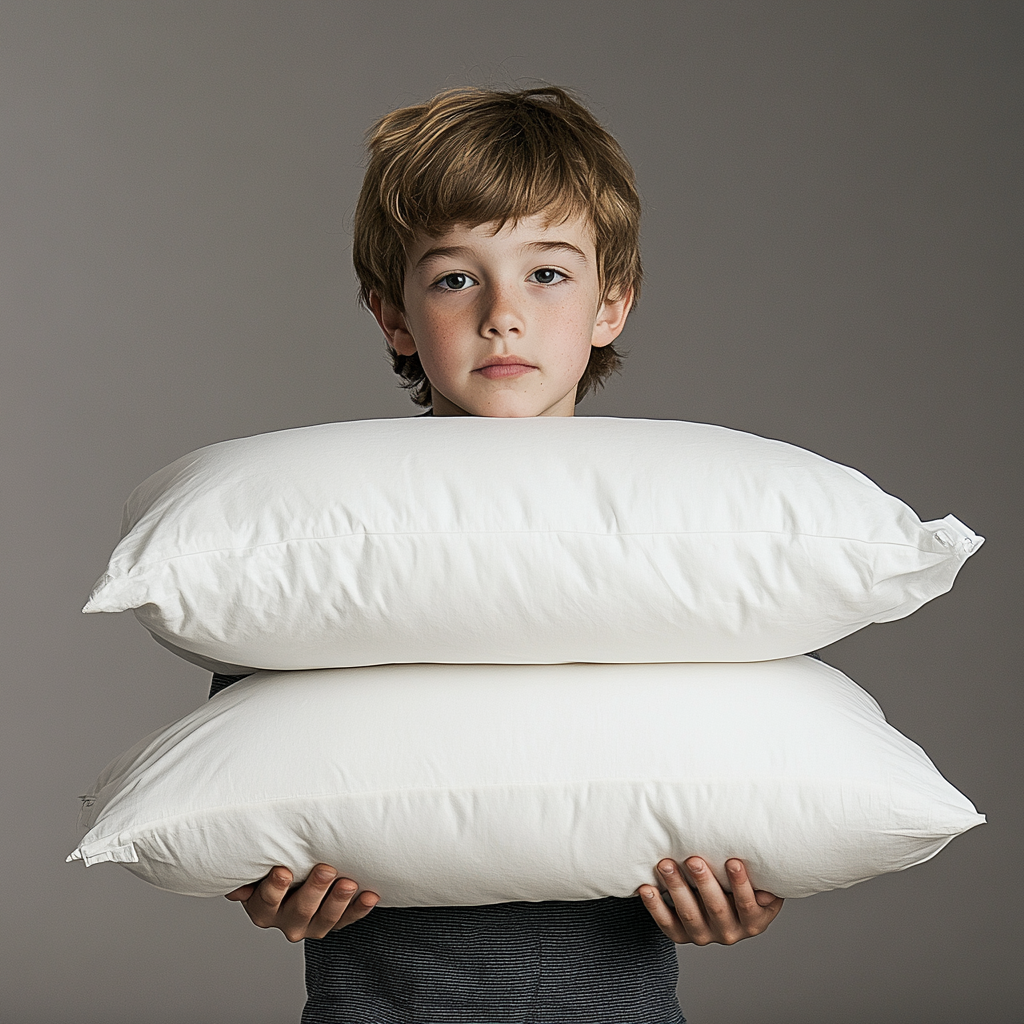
[[472, 784]]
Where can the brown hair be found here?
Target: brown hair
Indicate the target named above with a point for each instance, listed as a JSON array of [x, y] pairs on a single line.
[[475, 156]]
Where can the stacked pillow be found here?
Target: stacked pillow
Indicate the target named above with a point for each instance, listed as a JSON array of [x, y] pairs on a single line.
[[549, 540], [507, 549], [470, 784]]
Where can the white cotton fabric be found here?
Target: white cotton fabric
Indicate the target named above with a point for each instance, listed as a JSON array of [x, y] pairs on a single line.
[[472, 784], [473, 540]]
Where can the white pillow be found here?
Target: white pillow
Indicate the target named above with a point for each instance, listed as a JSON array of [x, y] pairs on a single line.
[[472, 784], [516, 541]]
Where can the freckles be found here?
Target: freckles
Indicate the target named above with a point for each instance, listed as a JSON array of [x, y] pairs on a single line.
[[443, 353]]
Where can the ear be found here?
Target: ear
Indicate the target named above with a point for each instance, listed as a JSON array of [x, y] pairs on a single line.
[[392, 323], [611, 318]]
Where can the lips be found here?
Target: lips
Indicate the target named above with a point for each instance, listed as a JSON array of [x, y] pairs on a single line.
[[498, 371], [503, 367]]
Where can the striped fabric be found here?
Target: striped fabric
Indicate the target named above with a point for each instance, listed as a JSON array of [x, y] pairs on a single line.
[[596, 961], [599, 961]]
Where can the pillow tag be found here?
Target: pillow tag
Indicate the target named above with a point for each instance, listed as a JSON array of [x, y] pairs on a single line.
[[117, 854], [955, 535]]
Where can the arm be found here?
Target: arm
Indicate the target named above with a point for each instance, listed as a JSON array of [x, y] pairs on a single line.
[[705, 913], [323, 903]]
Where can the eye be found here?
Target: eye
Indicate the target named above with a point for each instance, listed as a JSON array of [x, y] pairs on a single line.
[[547, 275], [455, 282]]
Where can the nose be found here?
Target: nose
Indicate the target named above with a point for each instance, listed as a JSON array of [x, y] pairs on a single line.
[[501, 315]]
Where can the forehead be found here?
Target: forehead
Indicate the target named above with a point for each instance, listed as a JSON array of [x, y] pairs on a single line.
[[537, 231]]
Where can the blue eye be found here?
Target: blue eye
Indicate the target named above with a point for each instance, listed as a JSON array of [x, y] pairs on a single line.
[[547, 275], [455, 282]]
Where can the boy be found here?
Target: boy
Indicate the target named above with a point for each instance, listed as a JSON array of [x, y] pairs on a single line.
[[497, 246]]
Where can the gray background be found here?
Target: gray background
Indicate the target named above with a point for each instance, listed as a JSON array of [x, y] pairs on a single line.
[[833, 240]]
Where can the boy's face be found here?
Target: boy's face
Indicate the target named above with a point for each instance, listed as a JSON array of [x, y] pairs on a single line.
[[504, 323]]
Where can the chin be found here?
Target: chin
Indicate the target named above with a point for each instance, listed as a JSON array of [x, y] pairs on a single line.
[[503, 413], [519, 407], [509, 403]]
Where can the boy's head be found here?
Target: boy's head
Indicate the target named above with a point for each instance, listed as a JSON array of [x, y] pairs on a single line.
[[488, 225]]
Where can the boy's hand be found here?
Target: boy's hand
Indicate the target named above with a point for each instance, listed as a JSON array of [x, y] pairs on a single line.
[[710, 914], [323, 903]]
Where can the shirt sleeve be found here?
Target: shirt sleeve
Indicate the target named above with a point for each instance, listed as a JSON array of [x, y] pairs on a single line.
[[222, 682]]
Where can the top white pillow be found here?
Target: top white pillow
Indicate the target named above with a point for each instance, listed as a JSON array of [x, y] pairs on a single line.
[[516, 541]]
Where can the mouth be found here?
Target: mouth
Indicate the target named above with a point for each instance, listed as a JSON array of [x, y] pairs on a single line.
[[503, 367]]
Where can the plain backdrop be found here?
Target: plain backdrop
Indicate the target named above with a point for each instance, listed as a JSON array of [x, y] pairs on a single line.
[[833, 248]]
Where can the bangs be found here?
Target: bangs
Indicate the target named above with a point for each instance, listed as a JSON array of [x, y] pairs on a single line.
[[515, 168]]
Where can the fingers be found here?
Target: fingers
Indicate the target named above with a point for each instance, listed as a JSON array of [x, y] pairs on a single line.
[[747, 907], [756, 909], [685, 921], [340, 908], [664, 916], [719, 919], [705, 913], [357, 910], [294, 915], [265, 902], [322, 903], [332, 908]]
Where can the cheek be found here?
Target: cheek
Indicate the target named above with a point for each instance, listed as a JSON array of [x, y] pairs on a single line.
[[575, 330], [445, 349], [437, 337]]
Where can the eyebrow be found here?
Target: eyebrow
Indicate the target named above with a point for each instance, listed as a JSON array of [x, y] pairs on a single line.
[[442, 252], [555, 246], [446, 251]]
